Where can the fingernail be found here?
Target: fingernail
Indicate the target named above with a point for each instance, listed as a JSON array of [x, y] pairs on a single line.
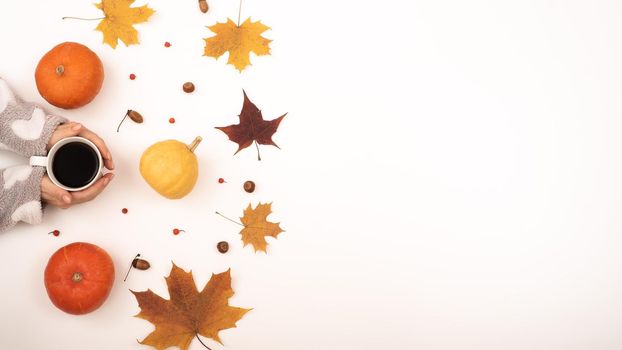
[[77, 127], [66, 199]]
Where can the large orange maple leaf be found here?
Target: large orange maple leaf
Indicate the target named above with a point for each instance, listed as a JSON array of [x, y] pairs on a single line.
[[189, 313]]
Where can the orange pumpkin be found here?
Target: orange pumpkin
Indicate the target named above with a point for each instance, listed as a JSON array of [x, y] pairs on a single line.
[[69, 76], [78, 278]]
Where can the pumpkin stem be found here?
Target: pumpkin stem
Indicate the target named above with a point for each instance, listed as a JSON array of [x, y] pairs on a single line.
[[77, 277], [195, 143], [200, 341], [60, 69]]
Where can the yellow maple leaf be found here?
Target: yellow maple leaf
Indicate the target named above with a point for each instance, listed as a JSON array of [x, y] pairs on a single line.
[[189, 313], [257, 227], [119, 20], [240, 41]]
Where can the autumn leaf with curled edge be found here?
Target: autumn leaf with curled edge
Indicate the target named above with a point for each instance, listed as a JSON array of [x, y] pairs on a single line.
[[252, 128], [119, 18], [189, 313], [239, 40]]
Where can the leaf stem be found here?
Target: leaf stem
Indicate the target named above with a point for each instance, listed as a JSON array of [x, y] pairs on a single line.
[[239, 13], [235, 222], [230, 219], [125, 116], [130, 269], [84, 19], [200, 341], [258, 155]]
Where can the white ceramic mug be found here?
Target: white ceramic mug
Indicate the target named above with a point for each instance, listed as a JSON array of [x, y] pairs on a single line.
[[47, 161]]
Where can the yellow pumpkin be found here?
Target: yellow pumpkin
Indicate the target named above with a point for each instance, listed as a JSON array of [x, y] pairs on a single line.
[[170, 167]]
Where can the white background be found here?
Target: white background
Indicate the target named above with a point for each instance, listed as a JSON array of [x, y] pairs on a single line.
[[450, 174]]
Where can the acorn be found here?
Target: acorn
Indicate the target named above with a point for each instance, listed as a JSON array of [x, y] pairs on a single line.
[[203, 6], [222, 247], [188, 87], [141, 264], [138, 264], [134, 116], [249, 186]]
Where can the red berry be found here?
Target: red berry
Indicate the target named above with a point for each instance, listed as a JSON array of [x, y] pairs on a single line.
[[171, 120], [167, 44], [221, 180], [132, 76], [55, 233], [176, 231], [124, 210]]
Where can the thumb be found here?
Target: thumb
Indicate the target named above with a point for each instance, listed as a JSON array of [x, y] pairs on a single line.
[[63, 131], [68, 130], [62, 196]]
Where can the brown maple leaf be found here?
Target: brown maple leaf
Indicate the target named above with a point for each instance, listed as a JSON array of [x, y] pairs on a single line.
[[252, 127], [257, 226], [189, 312]]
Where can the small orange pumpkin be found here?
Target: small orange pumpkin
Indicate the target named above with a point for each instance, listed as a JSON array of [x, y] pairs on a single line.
[[69, 76], [78, 277]]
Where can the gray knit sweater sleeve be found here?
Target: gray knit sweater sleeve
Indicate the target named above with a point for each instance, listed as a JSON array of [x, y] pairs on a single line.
[[24, 129]]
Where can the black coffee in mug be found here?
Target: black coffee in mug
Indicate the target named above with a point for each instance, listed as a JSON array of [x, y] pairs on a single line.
[[75, 164]]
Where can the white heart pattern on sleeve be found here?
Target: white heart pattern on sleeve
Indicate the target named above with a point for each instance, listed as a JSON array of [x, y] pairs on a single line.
[[30, 129], [29, 212], [15, 174], [6, 96]]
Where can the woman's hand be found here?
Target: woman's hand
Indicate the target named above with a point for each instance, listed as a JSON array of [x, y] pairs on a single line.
[[77, 129], [56, 196]]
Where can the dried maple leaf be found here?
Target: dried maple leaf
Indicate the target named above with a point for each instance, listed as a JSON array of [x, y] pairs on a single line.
[[252, 127], [189, 312], [240, 41], [119, 20], [257, 227]]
